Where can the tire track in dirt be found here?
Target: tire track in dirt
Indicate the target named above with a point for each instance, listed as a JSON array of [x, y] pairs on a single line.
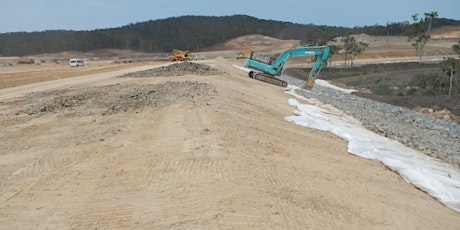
[[173, 179], [48, 163], [29, 163], [103, 210], [268, 160], [110, 203], [37, 158], [7, 194], [202, 138], [189, 173]]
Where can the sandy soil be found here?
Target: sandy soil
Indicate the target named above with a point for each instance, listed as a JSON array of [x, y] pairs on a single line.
[[26, 74], [222, 158]]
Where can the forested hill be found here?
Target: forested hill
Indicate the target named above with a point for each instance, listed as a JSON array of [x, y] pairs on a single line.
[[185, 32]]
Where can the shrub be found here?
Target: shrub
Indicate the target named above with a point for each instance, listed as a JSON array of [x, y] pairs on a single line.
[[383, 89]]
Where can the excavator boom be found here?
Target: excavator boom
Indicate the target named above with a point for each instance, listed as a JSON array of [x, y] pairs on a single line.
[[268, 71]]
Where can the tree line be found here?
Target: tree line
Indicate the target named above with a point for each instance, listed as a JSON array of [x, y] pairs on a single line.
[[185, 32]]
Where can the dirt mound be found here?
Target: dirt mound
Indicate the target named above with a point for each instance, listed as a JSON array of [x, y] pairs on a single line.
[[446, 32], [114, 98], [93, 53], [177, 69], [440, 44], [123, 97], [261, 43]]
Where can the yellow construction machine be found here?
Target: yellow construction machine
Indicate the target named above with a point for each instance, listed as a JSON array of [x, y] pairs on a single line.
[[243, 53], [180, 55]]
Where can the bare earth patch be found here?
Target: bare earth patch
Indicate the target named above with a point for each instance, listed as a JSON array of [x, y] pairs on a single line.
[[188, 151]]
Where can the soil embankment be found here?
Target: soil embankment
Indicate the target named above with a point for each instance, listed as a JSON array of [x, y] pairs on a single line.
[[190, 151]]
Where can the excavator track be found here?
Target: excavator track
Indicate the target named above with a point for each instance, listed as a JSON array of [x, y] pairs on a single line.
[[268, 78]]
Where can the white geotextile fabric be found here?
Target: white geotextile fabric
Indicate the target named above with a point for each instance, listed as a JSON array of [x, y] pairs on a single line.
[[438, 179]]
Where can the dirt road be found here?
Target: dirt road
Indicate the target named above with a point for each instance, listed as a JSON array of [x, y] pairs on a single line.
[[187, 152]]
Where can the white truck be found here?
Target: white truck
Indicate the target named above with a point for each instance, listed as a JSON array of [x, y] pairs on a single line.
[[77, 62]]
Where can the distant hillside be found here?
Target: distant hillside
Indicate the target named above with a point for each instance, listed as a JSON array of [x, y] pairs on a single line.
[[186, 32]]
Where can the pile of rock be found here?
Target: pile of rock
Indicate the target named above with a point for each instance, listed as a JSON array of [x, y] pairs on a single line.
[[427, 134], [112, 99], [177, 69]]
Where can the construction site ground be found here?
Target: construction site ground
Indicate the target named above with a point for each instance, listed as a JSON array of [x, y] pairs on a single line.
[[84, 148]]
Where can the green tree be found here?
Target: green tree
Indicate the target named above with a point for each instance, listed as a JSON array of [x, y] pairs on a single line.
[[427, 83], [317, 35], [449, 66], [419, 34], [352, 48], [456, 48]]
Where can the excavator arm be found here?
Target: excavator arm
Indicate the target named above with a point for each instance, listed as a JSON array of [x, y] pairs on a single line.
[[267, 71]]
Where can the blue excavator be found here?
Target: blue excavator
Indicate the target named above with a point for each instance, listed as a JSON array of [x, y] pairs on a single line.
[[266, 71]]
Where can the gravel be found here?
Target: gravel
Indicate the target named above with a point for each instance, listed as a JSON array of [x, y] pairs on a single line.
[[177, 69], [112, 99], [125, 97], [432, 136]]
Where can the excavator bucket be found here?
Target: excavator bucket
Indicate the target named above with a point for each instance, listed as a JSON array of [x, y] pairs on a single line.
[[309, 84]]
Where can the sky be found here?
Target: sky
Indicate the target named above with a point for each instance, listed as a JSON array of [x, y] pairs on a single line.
[[41, 15]]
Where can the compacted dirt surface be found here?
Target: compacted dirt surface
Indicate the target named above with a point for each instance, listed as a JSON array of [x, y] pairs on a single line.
[[205, 148]]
